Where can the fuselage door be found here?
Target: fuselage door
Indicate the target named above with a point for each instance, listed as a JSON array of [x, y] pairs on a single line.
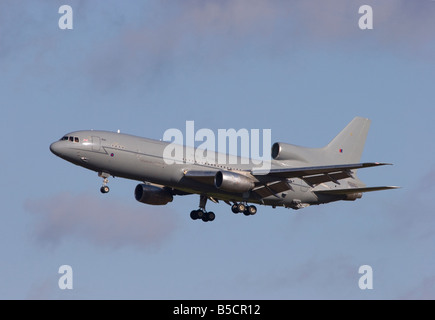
[[96, 143]]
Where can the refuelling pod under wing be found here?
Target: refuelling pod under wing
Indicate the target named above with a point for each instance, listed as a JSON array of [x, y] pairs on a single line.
[[153, 195]]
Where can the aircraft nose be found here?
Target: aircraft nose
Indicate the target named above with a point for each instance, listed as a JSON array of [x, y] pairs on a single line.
[[55, 148]]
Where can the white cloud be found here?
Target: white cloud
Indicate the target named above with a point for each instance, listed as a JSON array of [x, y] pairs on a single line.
[[205, 32], [107, 222]]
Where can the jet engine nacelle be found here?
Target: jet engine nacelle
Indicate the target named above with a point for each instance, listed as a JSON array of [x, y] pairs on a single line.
[[232, 182], [285, 151], [152, 195]]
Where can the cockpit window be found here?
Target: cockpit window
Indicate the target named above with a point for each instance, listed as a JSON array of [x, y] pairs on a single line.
[[70, 138]]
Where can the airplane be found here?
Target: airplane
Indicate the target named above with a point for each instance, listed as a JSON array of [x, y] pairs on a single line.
[[298, 176]]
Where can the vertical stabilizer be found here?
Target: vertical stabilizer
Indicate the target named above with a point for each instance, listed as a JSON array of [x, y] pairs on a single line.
[[347, 147]]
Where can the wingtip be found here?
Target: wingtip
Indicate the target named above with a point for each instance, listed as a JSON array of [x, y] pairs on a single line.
[[376, 164], [391, 187]]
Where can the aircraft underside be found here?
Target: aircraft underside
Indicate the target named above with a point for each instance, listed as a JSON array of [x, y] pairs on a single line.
[[299, 196]]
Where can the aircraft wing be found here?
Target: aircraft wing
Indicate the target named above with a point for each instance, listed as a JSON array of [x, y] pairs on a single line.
[[308, 171], [271, 188], [318, 174], [312, 176]]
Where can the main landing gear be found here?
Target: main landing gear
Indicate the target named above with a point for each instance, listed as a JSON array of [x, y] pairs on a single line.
[[205, 216], [241, 207], [104, 188], [201, 213]]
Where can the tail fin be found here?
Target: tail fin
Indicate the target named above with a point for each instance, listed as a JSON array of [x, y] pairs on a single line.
[[347, 147]]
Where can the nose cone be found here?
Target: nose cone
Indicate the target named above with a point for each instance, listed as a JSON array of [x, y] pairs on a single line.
[[55, 148]]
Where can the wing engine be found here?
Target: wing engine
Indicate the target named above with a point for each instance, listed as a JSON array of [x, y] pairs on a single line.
[[154, 195], [232, 182], [224, 180]]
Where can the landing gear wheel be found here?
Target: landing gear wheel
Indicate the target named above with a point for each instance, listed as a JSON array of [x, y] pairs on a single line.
[[200, 214], [105, 176], [211, 216], [252, 210], [241, 207], [235, 208], [194, 214]]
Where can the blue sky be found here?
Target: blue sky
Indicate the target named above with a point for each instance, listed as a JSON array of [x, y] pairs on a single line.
[[302, 69]]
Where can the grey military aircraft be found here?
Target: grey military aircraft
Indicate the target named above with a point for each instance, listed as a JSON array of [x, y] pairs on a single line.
[[298, 176]]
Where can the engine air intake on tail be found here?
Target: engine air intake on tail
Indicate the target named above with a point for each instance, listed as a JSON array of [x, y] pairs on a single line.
[[284, 151]]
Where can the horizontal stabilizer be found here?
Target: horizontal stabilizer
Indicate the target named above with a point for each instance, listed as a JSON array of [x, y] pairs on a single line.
[[355, 190]]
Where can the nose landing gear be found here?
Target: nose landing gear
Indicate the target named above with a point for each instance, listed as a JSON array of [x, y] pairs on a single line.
[[104, 188]]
